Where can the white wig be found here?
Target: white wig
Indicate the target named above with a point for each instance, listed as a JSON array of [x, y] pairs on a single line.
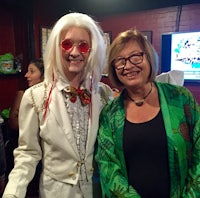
[[97, 58]]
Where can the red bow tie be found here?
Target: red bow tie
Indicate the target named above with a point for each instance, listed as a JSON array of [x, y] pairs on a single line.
[[83, 94]]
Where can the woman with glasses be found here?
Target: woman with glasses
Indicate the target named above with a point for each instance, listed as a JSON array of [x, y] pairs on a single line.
[[58, 119], [149, 136]]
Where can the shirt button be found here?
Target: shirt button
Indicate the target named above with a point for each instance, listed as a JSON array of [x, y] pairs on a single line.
[[71, 173], [92, 170]]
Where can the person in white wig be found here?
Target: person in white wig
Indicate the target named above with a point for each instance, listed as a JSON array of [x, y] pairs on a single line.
[[58, 118]]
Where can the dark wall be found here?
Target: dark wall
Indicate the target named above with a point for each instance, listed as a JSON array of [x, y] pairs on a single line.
[[52, 8], [20, 29], [158, 21], [14, 26]]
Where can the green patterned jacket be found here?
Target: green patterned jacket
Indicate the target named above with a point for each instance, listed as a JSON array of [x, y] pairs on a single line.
[[181, 114]]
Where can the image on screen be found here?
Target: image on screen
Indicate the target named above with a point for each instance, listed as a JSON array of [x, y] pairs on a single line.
[[185, 54]]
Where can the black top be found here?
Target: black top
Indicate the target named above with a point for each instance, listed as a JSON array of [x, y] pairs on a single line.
[[146, 156]]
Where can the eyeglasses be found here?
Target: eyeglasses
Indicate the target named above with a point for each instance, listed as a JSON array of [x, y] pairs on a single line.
[[82, 46], [134, 59]]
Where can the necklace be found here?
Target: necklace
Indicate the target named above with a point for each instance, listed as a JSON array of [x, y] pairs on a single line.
[[140, 102]]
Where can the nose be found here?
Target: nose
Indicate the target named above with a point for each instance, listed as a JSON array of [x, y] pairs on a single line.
[[74, 50], [26, 75], [127, 64]]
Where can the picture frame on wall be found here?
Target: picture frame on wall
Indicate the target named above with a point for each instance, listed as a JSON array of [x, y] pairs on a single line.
[[108, 39], [108, 36], [44, 35], [148, 35]]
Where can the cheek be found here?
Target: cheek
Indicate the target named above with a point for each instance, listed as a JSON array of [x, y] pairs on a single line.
[[148, 68], [120, 76], [146, 64], [37, 78], [63, 53], [86, 57], [63, 56]]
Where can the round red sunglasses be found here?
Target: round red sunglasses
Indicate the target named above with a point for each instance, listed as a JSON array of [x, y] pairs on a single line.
[[82, 46]]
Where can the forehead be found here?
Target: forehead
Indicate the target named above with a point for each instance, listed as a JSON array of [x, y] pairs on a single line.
[[32, 66], [76, 34], [130, 47]]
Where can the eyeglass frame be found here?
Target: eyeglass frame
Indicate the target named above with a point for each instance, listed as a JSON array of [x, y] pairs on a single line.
[[77, 45], [141, 54]]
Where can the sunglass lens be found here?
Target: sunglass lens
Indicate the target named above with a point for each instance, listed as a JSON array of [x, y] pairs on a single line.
[[67, 44], [84, 47]]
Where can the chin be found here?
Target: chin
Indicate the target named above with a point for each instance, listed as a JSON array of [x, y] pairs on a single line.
[[76, 70]]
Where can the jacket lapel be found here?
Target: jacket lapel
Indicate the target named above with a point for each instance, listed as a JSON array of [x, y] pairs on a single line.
[[62, 117], [57, 108], [93, 121]]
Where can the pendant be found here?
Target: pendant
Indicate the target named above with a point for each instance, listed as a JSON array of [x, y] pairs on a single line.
[[139, 102]]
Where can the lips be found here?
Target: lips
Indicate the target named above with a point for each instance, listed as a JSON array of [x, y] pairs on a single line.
[[70, 58], [75, 61], [131, 73], [29, 83]]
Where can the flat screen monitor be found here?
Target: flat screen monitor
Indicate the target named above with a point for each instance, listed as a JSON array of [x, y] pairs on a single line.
[[181, 51]]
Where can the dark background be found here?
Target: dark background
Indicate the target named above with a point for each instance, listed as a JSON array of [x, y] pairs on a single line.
[[97, 8], [21, 22]]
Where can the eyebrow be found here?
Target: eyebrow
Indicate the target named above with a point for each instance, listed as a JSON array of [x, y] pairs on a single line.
[[132, 53]]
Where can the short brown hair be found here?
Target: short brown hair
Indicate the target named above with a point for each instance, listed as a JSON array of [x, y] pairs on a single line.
[[119, 43]]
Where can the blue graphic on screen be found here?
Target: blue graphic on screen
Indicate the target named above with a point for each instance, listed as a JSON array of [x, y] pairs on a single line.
[[185, 54]]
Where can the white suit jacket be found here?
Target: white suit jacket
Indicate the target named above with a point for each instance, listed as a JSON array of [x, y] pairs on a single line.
[[51, 139]]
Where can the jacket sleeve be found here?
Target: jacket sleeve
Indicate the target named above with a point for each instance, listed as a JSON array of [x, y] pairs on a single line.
[[106, 93], [113, 181], [28, 153], [192, 185]]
